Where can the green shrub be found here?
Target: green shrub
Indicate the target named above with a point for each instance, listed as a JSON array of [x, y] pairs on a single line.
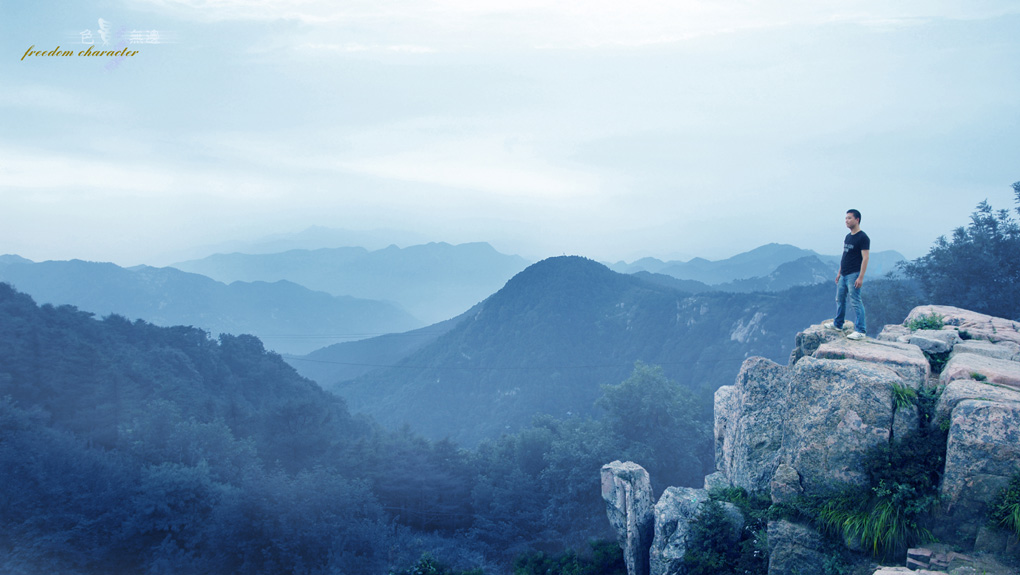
[[606, 558], [709, 549], [927, 400], [1005, 509], [427, 565], [884, 522], [893, 511], [937, 361], [931, 320], [710, 546], [903, 396]]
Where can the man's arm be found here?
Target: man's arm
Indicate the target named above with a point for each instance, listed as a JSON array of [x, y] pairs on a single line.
[[865, 254]]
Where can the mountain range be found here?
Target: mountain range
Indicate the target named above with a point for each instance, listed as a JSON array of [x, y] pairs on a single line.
[[550, 339], [289, 317], [434, 281], [311, 238], [759, 262]]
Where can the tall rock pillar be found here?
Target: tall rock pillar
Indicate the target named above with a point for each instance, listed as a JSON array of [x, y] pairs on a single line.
[[627, 491]]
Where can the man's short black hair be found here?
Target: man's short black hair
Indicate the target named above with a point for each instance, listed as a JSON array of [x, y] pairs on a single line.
[[857, 215]]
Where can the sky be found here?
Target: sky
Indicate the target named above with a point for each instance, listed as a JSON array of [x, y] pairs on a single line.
[[611, 130]]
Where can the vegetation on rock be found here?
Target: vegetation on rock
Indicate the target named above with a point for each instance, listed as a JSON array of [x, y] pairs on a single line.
[[978, 267], [1005, 510]]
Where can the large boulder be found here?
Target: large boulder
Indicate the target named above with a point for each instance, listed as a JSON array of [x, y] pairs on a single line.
[[810, 340], [677, 510], [749, 423], [982, 454], [786, 486], [725, 407], [970, 324], [905, 359], [1002, 350], [836, 411], [963, 389], [980, 406], [794, 549], [820, 416], [934, 341], [982, 367], [627, 491]]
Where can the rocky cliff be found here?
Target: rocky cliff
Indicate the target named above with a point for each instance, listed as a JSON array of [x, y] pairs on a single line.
[[807, 429]]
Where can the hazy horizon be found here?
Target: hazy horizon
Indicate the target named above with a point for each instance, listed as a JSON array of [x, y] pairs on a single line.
[[688, 129], [295, 241]]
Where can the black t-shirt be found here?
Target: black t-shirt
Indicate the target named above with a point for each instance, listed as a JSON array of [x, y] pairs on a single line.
[[852, 257]]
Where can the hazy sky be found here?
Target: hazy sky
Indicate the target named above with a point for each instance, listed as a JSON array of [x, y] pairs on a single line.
[[612, 130]]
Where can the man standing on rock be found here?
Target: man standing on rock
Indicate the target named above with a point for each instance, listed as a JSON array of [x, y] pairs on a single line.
[[850, 277]]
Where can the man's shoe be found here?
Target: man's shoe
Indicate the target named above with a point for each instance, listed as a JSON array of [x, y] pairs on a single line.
[[832, 326], [856, 336]]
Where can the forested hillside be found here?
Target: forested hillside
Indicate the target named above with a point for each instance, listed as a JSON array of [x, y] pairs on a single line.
[[131, 448], [560, 330], [128, 447], [564, 327]]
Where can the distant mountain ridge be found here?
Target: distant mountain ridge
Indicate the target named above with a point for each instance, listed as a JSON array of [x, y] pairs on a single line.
[[757, 263], [289, 317], [434, 282], [348, 360], [559, 330], [311, 238], [805, 271]]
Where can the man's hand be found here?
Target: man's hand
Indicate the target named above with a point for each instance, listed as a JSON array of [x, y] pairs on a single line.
[[858, 282]]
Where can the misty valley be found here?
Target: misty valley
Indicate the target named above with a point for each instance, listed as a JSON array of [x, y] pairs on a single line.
[[433, 409]]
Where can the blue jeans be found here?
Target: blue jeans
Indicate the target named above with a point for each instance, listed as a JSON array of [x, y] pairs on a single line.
[[844, 288]]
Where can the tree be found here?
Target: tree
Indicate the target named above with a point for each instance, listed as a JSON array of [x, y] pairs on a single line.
[[658, 422], [978, 268]]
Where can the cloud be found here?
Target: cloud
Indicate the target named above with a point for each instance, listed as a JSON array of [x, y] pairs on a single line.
[[355, 47], [466, 24], [49, 177], [49, 99]]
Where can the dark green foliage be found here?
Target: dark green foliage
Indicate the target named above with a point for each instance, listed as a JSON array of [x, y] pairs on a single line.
[[978, 268], [892, 511], [1005, 509], [651, 414], [428, 565], [895, 509], [540, 487], [937, 361], [145, 449], [931, 320], [903, 396], [712, 548], [883, 521], [927, 399], [160, 450], [889, 300], [604, 558]]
